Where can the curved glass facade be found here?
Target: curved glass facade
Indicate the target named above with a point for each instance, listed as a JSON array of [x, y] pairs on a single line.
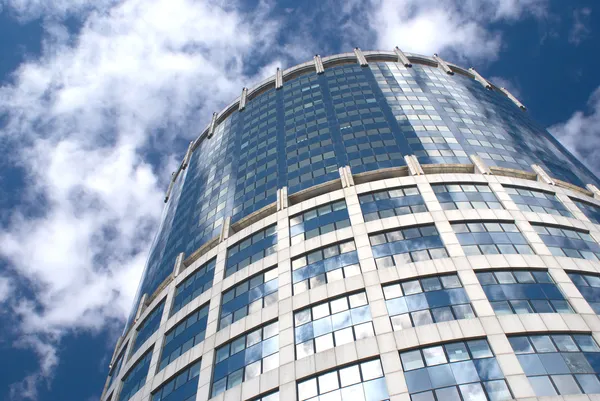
[[321, 262]]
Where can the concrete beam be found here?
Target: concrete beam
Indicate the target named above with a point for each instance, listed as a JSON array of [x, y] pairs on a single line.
[[442, 64], [225, 229], [593, 189], [170, 188], [188, 156], [282, 198], [514, 99], [414, 167], [278, 78], [318, 64], [179, 266], [480, 166], [360, 57], [402, 57], [243, 98], [480, 79], [542, 175]]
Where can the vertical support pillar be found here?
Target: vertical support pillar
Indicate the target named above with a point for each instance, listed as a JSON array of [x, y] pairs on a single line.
[[542, 175], [346, 176], [243, 98], [402, 57], [188, 155], [480, 166], [282, 198], [360, 57], [593, 189], [414, 167], [141, 307], [225, 229], [442, 64], [480, 79], [513, 99], [179, 266], [278, 78], [318, 64], [213, 123]]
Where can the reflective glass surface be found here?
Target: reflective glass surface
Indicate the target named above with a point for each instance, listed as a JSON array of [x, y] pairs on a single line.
[[454, 371], [148, 327], [466, 196], [249, 296], [182, 387], [590, 210], [332, 323], [251, 249], [532, 200], [194, 285], [318, 221], [523, 291], [187, 333], [559, 364], [116, 366], [324, 265], [406, 245], [246, 357], [589, 286], [427, 300], [135, 378], [489, 238], [563, 241], [358, 382], [366, 118], [391, 202]]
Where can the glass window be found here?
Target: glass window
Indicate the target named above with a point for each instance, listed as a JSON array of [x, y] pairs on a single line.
[[332, 323], [558, 363], [251, 249], [148, 326], [135, 378], [361, 381], [391, 202], [466, 196], [465, 370], [318, 221], [246, 357], [563, 241], [181, 387], [424, 301], [535, 200], [489, 238], [589, 287]]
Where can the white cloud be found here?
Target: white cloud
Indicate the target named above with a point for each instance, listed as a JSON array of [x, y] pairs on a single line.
[[137, 77], [580, 29], [581, 133], [459, 30]]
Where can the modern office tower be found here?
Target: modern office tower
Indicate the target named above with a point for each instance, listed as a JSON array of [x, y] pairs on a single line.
[[370, 226]]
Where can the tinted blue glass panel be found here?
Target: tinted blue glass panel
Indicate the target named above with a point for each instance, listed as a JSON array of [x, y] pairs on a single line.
[[332, 323], [466, 196], [391, 202], [589, 286], [489, 238], [251, 249], [182, 387], [559, 363], [591, 211], [406, 245], [249, 296], [533, 200], [246, 357], [319, 221], [148, 327], [186, 334], [136, 377], [563, 241], [361, 381], [194, 285], [427, 300], [522, 291], [324, 265], [447, 370]]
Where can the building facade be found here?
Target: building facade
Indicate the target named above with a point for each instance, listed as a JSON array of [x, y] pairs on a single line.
[[370, 226]]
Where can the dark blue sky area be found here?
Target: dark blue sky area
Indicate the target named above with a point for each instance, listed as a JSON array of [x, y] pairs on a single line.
[[554, 73]]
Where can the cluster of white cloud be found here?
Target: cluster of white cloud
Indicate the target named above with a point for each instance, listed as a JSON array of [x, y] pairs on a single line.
[[135, 77], [581, 133]]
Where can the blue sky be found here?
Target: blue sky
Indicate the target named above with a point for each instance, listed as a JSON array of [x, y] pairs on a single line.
[[98, 100]]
